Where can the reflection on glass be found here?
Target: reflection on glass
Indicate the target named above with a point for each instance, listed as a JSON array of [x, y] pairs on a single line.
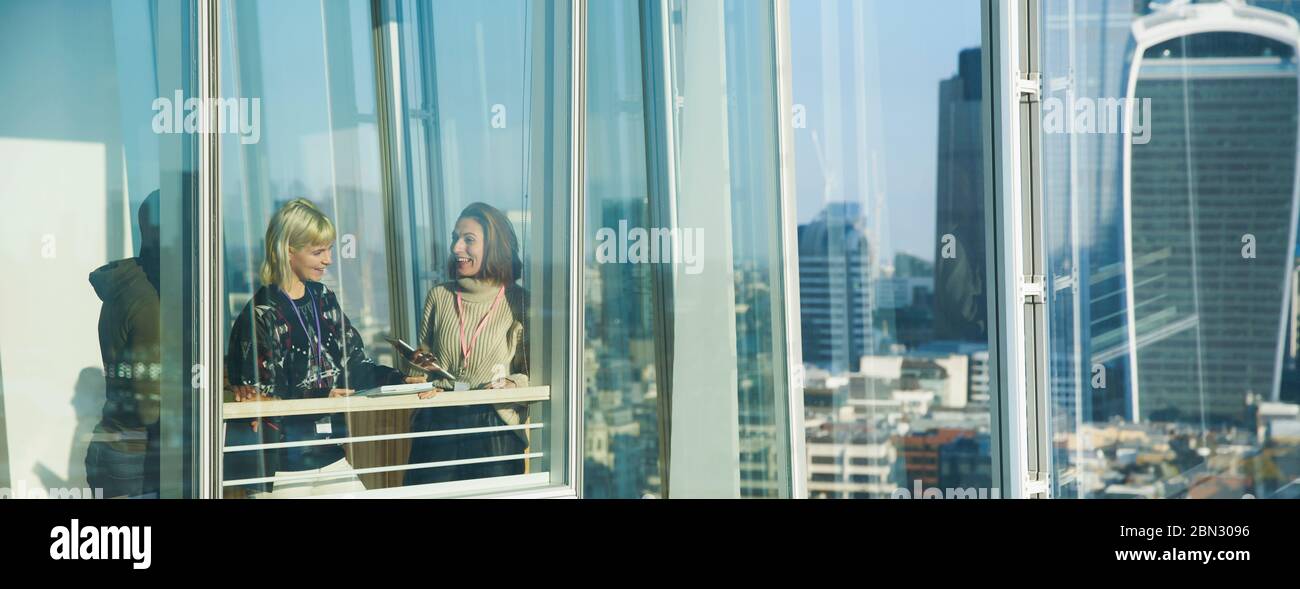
[[97, 370], [1172, 248], [729, 418], [622, 402], [892, 269]]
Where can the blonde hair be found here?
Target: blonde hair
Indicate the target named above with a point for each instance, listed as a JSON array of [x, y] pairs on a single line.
[[296, 225]]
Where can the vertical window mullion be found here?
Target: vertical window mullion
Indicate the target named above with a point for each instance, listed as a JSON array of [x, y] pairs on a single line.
[[1039, 466], [577, 223], [788, 220], [209, 263]]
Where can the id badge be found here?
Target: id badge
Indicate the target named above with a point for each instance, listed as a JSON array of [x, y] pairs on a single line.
[[324, 426], [461, 386]]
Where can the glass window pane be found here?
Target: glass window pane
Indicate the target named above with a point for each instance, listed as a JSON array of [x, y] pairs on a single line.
[[684, 308], [95, 382], [295, 67], [889, 150], [486, 109], [729, 407], [622, 456], [324, 394], [1170, 188]]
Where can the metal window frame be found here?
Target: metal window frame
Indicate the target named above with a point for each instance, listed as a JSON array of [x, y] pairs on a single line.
[[789, 231], [661, 183], [1030, 300], [1016, 305], [209, 260], [577, 219]]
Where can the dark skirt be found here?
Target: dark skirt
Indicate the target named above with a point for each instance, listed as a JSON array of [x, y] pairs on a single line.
[[462, 446]]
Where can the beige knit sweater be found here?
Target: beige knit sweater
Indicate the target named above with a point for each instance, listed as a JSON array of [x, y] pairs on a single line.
[[501, 349]]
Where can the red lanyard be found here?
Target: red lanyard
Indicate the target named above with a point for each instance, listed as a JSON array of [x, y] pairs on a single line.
[[467, 348]]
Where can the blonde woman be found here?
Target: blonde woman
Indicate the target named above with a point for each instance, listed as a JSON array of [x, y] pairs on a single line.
[[473, 325], [292, 341]]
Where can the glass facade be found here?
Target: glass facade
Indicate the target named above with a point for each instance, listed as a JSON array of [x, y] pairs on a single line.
[[893, 274], [649, 248], [1169, 167]]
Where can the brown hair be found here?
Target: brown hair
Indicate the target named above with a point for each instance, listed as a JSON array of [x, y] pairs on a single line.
[[501, 263]]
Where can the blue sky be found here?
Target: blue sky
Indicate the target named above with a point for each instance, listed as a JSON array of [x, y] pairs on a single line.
[[912, 46]]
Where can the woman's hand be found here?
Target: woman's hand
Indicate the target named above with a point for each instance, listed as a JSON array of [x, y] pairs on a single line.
[[245, 393], [501, 383], [417, 379], [430, 394], [340, 393], [425, 361]]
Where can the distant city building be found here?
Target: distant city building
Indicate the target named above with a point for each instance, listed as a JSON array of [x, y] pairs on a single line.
[[897, 292], [622, 428], [920, 455], [909, 266], [977, 365], [854, 462], [966, 462], [835, 295], [959, 262]]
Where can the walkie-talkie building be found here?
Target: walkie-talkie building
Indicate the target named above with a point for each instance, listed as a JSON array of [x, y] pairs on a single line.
[[1210, 202]]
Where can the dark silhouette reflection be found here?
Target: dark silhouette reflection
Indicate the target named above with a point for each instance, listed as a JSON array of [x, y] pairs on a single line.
[[88, 397], [123, 457]]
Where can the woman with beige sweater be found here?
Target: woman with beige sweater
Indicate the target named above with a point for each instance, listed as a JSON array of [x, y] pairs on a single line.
[[473, 326]]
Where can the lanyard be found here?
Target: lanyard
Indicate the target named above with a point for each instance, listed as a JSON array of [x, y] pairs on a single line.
[[467, 348], [320, 353]]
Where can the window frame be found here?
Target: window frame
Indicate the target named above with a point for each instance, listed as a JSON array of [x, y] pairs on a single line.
[[1017, 354]]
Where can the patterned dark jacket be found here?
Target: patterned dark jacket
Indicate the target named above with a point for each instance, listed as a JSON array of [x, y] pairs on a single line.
[[270, 350]]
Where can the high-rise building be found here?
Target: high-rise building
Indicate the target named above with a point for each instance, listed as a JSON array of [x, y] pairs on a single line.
[[835, 295], [964, 462], [1211, 205], [959, 302]]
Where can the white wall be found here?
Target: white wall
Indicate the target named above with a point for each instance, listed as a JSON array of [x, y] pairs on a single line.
[[53, 382], [67, 209]]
